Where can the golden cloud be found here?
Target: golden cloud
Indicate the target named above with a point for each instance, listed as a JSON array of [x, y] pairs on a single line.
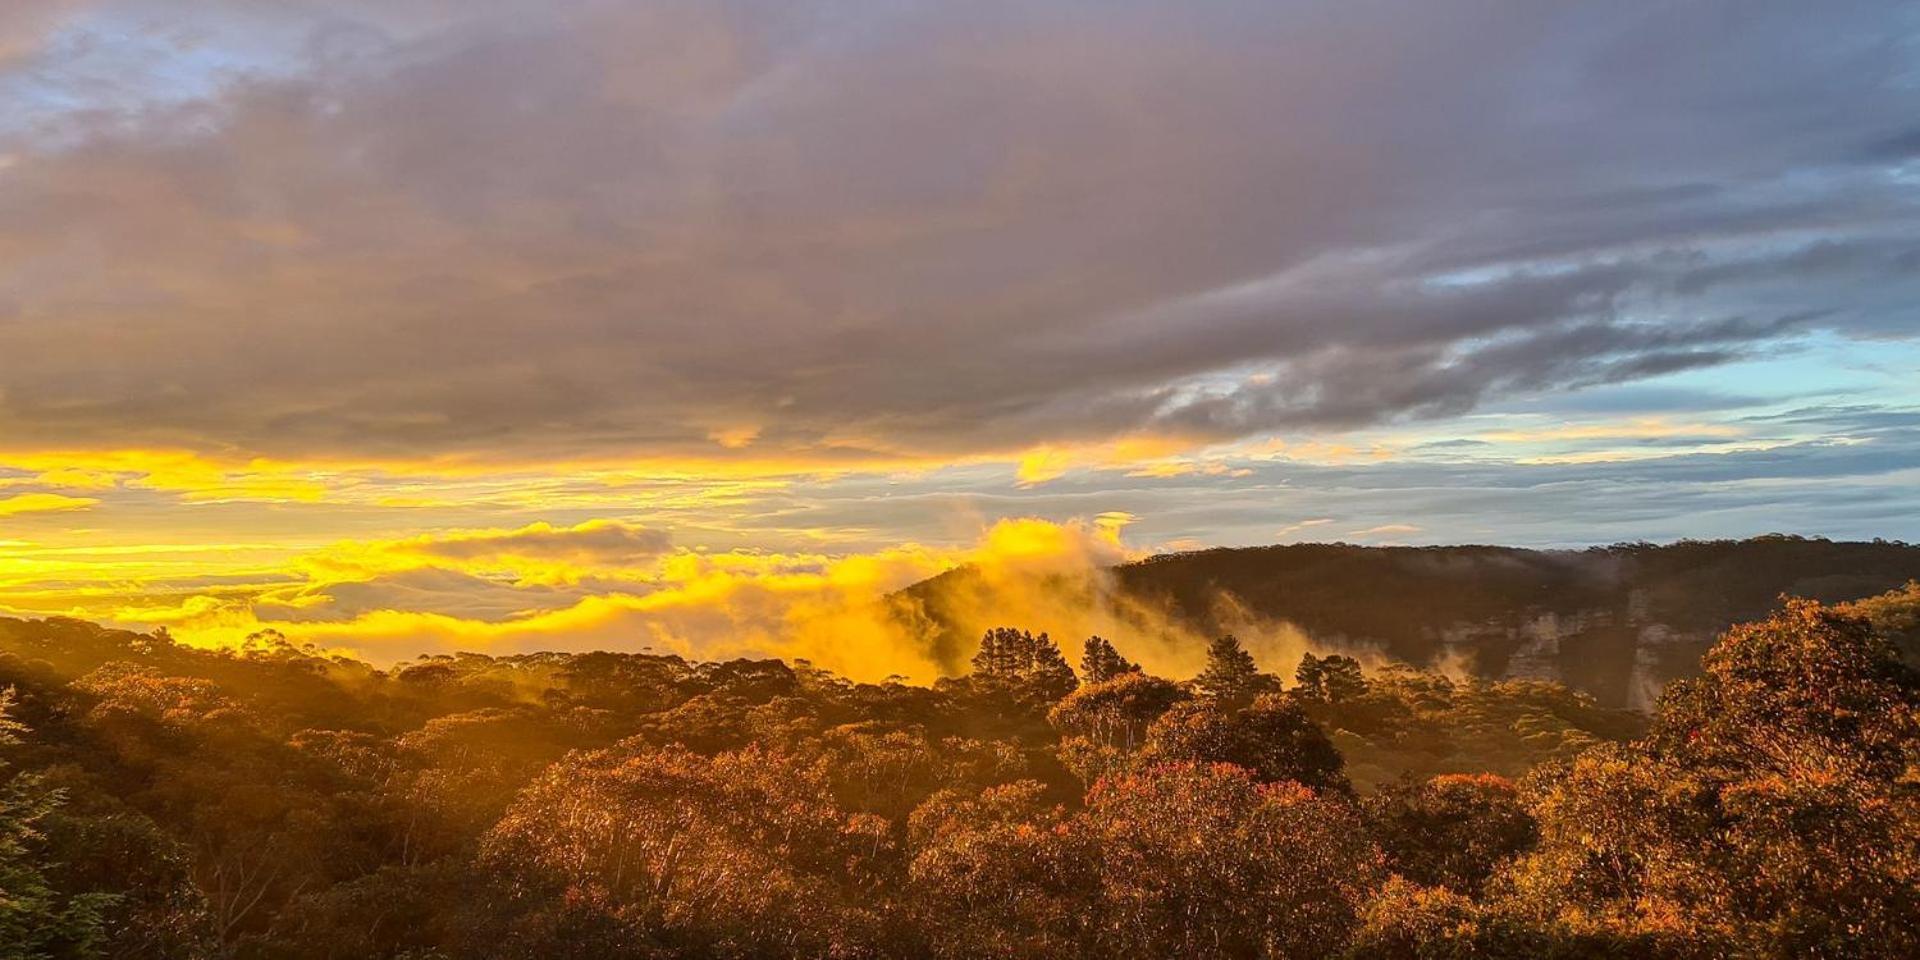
[[842, 612], [43, 503]]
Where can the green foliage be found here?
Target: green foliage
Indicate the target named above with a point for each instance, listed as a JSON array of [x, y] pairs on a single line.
[[1406, 921], [1772, 809], [1894, 615], [1330, 679], [738, 854], [140, 878], [272, 803], [1451, 831], [1187, 860], [1272, 739], [36, 921], [1001, 873], [1410, 723], [1104, 725], [1206, 861]]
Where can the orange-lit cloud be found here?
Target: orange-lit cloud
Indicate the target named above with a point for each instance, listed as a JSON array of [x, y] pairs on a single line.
[[43, 503], [603, 585], [538, 553], [1384, 530], [615, 586], [1645, 428], [306, 324], [1141, 455], [1293, 528]]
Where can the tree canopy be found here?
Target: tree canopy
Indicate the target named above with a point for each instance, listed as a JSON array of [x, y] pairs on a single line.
[[276, 803]]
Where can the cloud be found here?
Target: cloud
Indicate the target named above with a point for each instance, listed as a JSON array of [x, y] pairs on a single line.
[[26, 24], [746, 231], [1640, 428], [536, 586], [43, 503], [357, 312], [1297, 526], [1384, 530], [428, 591], [515, 567], [607, 542], [832, 609]]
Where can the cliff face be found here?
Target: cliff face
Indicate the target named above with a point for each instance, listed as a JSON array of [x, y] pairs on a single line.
[[1618, 622], [1622, 656]]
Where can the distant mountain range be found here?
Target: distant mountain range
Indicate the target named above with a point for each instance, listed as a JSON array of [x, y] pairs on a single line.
[[1619, 622]]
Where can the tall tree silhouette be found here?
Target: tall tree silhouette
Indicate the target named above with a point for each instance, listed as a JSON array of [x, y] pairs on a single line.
[[1019, 659], [1230, 676], [1330, 679], [1099, 661]]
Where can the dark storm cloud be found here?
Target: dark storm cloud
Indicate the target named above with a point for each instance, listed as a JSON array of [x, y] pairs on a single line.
[[596, 228]]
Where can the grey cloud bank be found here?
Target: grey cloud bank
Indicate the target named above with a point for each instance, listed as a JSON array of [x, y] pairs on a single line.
[[597, 229]]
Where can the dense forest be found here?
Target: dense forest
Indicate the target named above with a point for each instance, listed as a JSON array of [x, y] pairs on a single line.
[[276, 802]]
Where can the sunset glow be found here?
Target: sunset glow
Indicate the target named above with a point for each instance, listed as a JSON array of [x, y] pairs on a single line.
[[406, 326]]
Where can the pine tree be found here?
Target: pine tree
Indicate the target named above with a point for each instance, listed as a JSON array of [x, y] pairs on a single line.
[[1330, 679], [1100, 662], [1343, 679], [1312, 677], [1047, 670], [1018, 658], [991, 659], [1230, 675]]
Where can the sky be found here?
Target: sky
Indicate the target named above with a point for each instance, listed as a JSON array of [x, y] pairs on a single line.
[[407, 325]]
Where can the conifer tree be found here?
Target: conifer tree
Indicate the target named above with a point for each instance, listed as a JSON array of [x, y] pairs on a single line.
[[1330, 679], [1018, 658], [1311, 677], [1343, 678], [1230, 675], [1100, 662]]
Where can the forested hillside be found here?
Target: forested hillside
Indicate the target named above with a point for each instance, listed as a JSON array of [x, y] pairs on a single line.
[[274, 802], [1618, 622]]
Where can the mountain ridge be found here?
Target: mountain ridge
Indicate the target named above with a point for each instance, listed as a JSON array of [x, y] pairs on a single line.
[[1618, 621]]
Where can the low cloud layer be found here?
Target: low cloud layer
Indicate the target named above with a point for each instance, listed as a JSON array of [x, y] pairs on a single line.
[[389, 600]]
